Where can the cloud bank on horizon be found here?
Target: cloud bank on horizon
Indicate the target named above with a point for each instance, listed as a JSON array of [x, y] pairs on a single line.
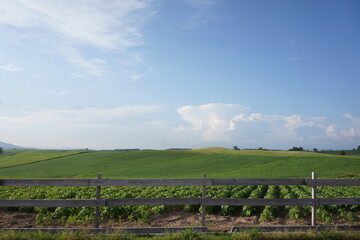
[[162, 74], [214, 124]]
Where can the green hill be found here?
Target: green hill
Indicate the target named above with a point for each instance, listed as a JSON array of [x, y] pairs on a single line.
[[215, 162]]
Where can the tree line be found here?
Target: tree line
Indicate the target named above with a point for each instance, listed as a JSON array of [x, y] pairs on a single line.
[[294, 148]]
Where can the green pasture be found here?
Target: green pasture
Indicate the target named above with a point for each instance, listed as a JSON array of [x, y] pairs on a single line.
[[19, 157], [215, 162]]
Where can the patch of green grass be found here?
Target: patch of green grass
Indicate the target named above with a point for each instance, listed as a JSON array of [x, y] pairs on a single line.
[[18, 157], [342, 152], [215, 162]]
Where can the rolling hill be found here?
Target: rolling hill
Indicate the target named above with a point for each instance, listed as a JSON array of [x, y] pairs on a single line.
[[215, 162], [9, 146]]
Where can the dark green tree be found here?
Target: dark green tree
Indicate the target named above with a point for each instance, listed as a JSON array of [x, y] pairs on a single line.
[[358, 148], [236, 147], [315, 149], [1, 150], [342, 152], [296, 149]]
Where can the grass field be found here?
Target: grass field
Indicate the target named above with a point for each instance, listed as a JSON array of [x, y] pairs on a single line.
[[215, 162], [19, 157]]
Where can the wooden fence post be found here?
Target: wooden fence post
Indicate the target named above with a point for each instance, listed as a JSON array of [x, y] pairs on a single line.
[[313, 196], [98, 196], [203, 207]]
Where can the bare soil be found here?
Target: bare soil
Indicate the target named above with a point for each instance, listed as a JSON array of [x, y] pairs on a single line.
[[179, 218]]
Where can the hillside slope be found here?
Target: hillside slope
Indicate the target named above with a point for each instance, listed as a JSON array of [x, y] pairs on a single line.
[[9, 146], [215, 162]]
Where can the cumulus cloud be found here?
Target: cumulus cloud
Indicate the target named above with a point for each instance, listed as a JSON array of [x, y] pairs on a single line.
[[233, 122], [331, 132], [214, 124], [337, 132], [353, 131], [353, 119], [212, 120]]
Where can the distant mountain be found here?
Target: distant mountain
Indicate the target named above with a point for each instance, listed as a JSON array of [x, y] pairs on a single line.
[[8, 145]]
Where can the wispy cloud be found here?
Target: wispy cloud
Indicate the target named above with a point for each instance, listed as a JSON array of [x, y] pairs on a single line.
[[109, 24], [11, 68], [87, 114], [72, 26], [201, 13], [62, 93], [83, 127]]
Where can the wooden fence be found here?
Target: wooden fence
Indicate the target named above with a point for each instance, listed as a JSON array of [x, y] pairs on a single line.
[[203, 201]]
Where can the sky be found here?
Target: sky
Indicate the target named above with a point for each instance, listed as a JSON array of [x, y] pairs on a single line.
[[160, 74]]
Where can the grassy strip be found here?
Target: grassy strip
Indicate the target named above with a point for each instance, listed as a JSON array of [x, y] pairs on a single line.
[[188, 234], [43, 160], [215, 162], [25, 157]]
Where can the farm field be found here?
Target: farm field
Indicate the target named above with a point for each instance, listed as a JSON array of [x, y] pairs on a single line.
[[216, 162]]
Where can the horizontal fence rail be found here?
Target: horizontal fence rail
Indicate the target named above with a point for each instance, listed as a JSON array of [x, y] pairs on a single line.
[[179, 201], [203, 201], [176, 182]]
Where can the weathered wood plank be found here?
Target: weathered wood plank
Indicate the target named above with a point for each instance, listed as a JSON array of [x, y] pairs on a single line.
[[53, 203], [256, 202], [152, 201], [333, 182], [150, 182], [177, 182], [256, 181], [45, 182], [339, 201]]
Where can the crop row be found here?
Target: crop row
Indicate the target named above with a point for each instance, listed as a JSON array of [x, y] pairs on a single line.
[[143, 213]]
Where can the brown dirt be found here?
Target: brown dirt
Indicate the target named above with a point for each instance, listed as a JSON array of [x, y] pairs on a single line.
[[214, 222]]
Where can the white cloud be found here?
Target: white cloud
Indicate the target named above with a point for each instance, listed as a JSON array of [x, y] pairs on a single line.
[[62, 93], [214, 124], [232, 122], [89, 68], [88, 127], [70, 28], [104, 24], [212, 120], [353, 131], [11, 68], [90, 114], [276, 127], [353, 119], [331, 132]]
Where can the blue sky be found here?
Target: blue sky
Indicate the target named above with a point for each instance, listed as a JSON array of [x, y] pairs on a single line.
[[180, 73]]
